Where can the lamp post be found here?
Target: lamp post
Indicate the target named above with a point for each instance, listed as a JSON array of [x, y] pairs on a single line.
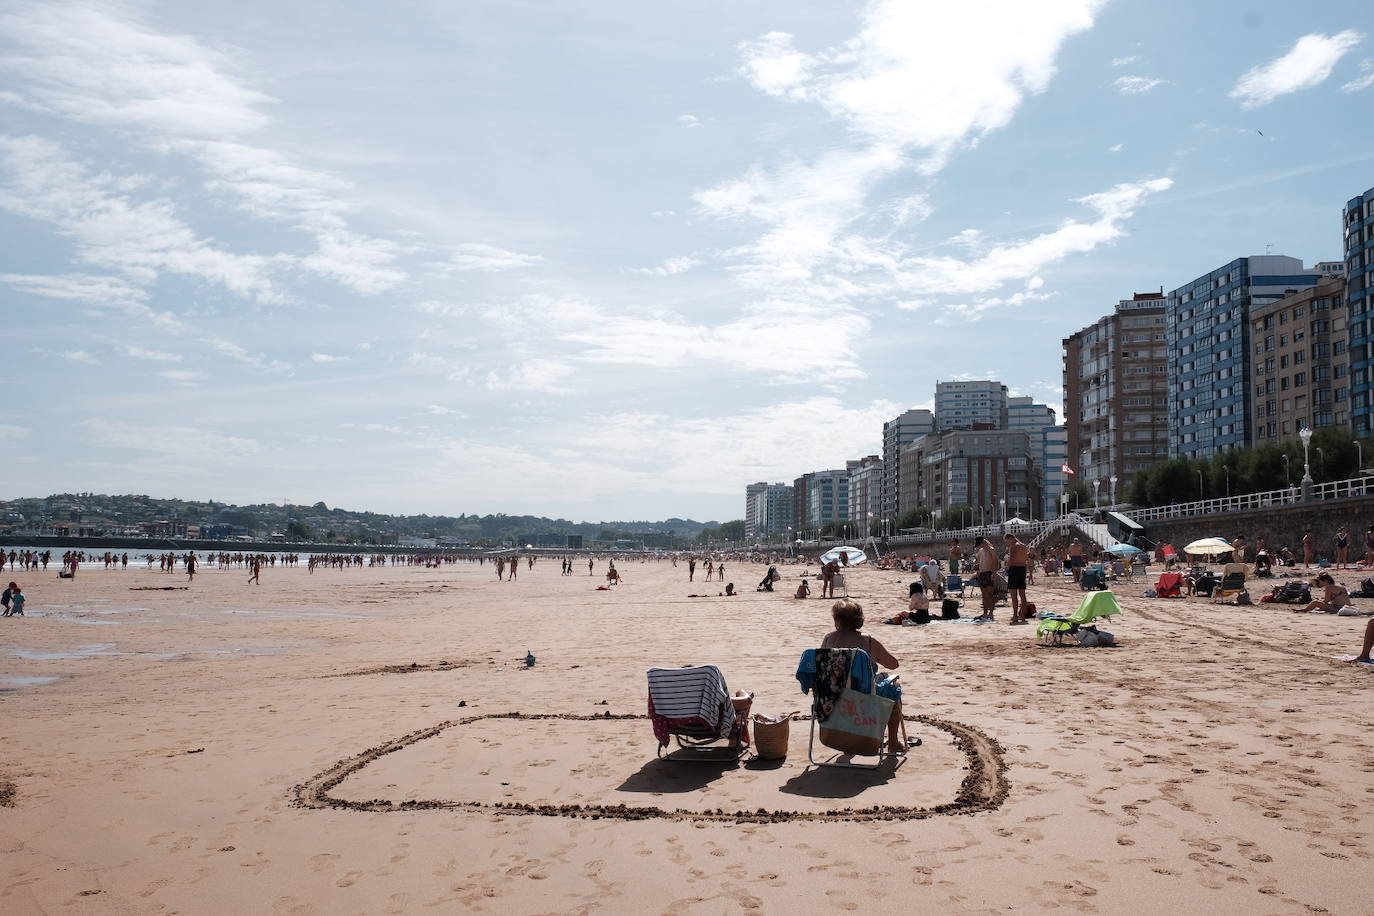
[[1359, 460], [1063, 504], [1097, 483], [1114, 479], [1288, 478], [1199, 485], [1004, 510], [1305, 434]]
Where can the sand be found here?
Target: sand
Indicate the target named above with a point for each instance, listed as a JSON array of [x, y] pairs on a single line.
[[345, 743]]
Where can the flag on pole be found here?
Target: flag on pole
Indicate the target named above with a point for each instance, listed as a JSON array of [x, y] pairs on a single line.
[[1068, 470]]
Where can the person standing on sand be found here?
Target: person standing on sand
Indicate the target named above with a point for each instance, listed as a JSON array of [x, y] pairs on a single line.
[[985, 562], [1307, 549], [589, 566], [956, 556], [514, 568], [1076, 559], [255, 566], [1342, 546], [191, 566], [691, 568], [1018, 558]]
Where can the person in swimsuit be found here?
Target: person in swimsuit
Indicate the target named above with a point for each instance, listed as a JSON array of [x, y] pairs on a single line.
[[1018, 558], [1334, 597], [1307, 548], [1342, 547]]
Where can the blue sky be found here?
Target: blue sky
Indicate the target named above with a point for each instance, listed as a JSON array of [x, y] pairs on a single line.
[[611, 260]]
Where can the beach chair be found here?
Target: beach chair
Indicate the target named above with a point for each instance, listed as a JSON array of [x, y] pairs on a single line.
[[954, 584], [694, 707], [1093, 577], [1054, 629], [1233, 576], [850, 707], [1170, 585]]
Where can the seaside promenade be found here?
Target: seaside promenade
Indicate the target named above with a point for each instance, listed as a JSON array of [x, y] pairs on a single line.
[[207, 751]]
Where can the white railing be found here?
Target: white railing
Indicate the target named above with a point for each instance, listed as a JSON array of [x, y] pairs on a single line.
[[1335, 489]]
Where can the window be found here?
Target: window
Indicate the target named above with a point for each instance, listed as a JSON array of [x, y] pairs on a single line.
[[1283, 383]]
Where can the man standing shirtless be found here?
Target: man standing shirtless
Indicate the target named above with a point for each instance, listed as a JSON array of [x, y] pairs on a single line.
[[1018, 558]]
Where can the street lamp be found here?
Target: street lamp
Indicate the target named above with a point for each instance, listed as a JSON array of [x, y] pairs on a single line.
[[1287, 476], [1305, 434], [1359, 462], [1114, 479], [1199, 485], [1097, 482], [1063, 504], [1004, 510]]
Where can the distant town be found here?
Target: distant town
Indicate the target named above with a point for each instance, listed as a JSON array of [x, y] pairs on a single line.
[[94, 515]]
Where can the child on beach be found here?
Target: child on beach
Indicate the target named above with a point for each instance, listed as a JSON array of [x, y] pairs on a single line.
[[7, 597], [16, 608], [803, 590]]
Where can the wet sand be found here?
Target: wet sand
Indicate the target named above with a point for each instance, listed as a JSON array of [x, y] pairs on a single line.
[[300, 747]]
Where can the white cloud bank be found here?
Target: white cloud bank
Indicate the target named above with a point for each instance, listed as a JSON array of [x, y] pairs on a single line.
[[1136, 85], [1308, 63]]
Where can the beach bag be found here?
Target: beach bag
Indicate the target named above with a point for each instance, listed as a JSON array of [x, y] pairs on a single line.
[[1028, 609], [949, 609], [771, 736], [918, 617], [857, 724]]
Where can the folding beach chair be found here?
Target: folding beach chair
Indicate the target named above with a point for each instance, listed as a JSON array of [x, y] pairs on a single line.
[[1093, 577], [848, 713], [1233, 577], [693, 706], [1055, 629], [954, 584]]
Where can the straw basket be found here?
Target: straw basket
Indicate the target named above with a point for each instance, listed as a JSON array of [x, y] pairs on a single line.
[[771, 736]]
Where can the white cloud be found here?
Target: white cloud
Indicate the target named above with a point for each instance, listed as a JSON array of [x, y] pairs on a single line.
[[98, 291], [1364, 80], [101, 65], [1136, 85], [139, 239], [10, 431], [687, 120], [240, 355], [669, 268], [544, 374], [181, 375], [80, 356], [1308, 63], [483, 257], [1124, 61], [157, 356], [327, 358], [1116, 147], [183, 443]]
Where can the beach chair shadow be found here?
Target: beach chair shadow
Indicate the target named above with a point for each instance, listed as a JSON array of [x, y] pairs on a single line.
[[662, 776], [822, 781]]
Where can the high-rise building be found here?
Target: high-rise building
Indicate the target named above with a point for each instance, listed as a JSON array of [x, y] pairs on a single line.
[[801, 501], [1208, 327], [897, 432], [1299, 367], [992, 470], [865, 493], [970, 405], [752, 508], [1358, 220], [1048, 444], [1116, 394], [827, 498]]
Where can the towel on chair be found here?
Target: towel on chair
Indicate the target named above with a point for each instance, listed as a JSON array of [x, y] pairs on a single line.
[[686, 696]]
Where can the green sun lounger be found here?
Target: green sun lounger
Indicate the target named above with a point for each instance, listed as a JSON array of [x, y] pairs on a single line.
[[1095, 605]]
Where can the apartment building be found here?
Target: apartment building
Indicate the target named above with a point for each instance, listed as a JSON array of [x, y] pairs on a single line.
[[1300, 363]]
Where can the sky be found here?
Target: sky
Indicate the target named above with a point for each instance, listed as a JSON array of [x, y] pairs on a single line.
[[611, 260]]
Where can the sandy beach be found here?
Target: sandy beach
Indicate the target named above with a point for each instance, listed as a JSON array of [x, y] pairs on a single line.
[[344, 742]]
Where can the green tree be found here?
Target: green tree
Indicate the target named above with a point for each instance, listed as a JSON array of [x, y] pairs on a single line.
[[731, 530], [298, 531]]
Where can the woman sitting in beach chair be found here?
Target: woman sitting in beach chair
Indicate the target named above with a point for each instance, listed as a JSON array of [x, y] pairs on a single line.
[[848, 616]]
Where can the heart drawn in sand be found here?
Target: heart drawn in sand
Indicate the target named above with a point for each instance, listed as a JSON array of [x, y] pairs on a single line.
[[984, 787]]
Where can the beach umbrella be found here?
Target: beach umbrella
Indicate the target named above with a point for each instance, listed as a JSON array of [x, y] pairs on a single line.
[[1124, 550], [1016, 521], [852, 555], [1209, 547]]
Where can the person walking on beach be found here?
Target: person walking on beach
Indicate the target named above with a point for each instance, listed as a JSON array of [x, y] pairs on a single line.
[[1307, 549], [7, 597], [16, 606], [985, 562], [514, 568], [191, 566], [1018, 558], [255, 566], [1076, 559], [691, 568]]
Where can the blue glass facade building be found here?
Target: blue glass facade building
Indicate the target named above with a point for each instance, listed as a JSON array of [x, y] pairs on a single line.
[[1359, 249], [1209, 358]]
